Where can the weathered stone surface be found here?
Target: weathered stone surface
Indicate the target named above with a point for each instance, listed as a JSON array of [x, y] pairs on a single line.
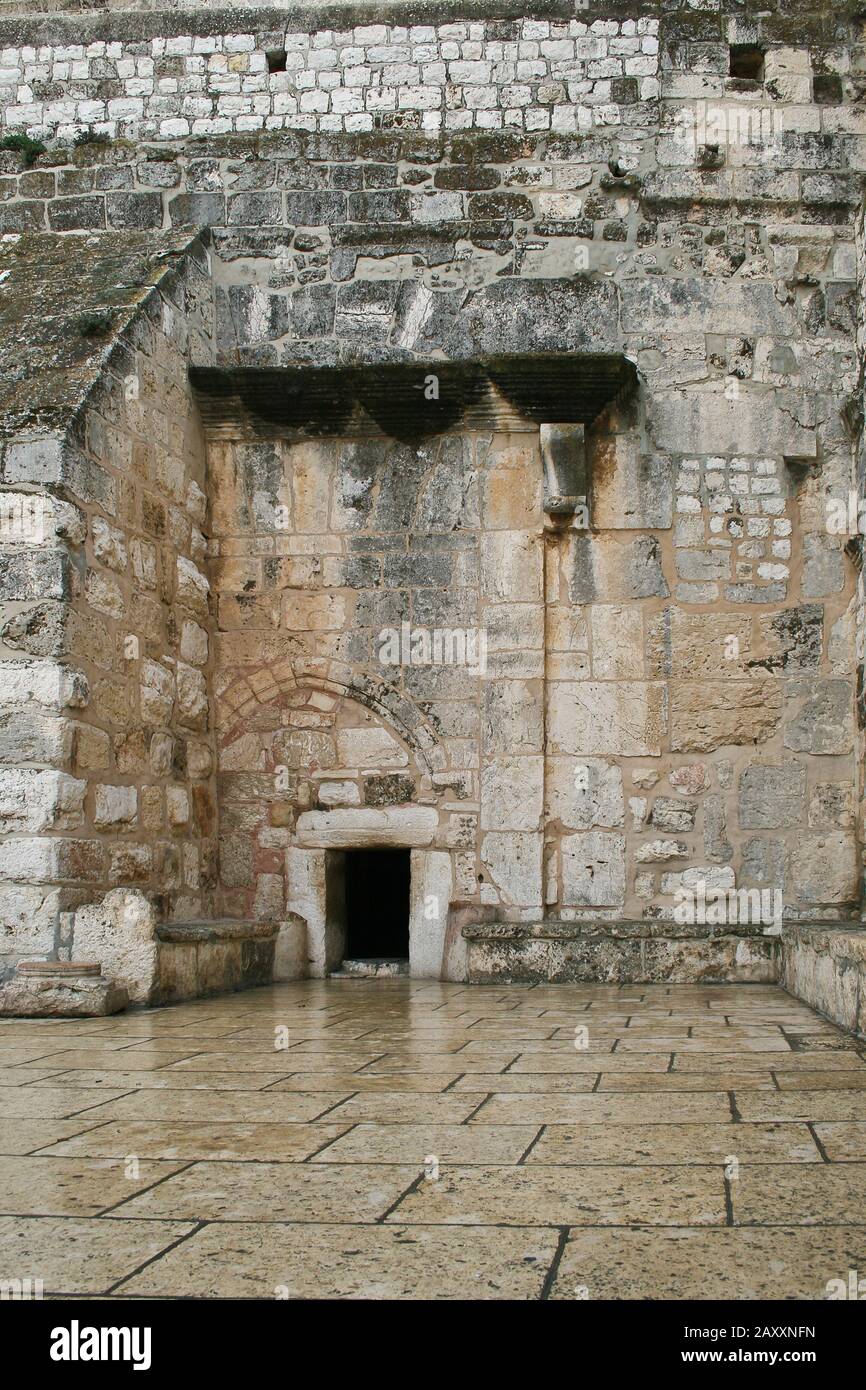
[[823, 566], [369, 748], [627, 718], [511, 793], [366, 827], [673, 816], [772, 797], [706, 716], [61, 996], [593, 869], [609, 570], [823, 721], [584, 793], [823, 868], [513, 864], [690, 779], [658, 851], [120, 933]]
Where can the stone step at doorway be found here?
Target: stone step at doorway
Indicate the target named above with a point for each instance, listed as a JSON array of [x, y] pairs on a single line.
[[377, 968]]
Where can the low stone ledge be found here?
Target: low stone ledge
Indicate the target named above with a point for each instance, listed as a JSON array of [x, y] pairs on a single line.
[[825, 965], [203, 958], [635, 930], [224, 930], [618, 952]]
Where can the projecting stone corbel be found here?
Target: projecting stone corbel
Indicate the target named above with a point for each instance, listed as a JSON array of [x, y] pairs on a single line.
[[563, 455]]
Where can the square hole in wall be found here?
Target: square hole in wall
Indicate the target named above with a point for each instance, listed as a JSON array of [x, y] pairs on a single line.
[[276, 60], [747, 62]]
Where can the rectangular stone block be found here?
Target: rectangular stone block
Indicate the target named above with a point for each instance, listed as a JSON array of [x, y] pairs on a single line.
[[628, 718]]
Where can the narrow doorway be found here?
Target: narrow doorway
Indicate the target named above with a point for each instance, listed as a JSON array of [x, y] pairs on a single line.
[[377, 905]]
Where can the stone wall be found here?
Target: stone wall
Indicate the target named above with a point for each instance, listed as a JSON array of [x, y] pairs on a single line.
[[106, 747], [670, 695]]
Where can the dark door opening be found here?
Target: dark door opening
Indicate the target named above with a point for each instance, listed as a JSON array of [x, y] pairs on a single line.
[[377, 904]]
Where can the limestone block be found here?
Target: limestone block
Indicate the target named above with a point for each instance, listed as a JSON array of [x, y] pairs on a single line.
[[431, 891], [244, 754], [824, 868], [366, 827], [120, 933], [104, 594], [823, 721], [626, 718], [707, 715], [51, 860], [823, 565], [156, 693], [673, 305], [32, 800], [194, 644], [698, 645], [511, 566], [61, 995], [513, 719], [607, 569], [772, 797], [793, 639], [617, 641], [46, 683], [689, 780], [115, 807], [192, 702], [338, 793], [585, 792], [673, 816], [388, 789], [511, 793], [630, 490], [177, 806], [593, 869], [831, 806], [700, 877], [512, 861], [658, 851], [191, 586], [290, 950], [369, 747], [28, 920], [109, 545], [756, 423]]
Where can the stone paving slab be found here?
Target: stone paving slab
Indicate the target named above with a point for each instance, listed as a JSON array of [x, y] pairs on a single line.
[[711, 1143]]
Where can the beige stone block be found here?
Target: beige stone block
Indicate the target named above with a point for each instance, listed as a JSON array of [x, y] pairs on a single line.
[[511, 567], [365, 827], [693, 646], [627, 718], [512, 793], [513, 862], [593, 869], [312, 467], [369, 747], [712, 714], [303, 611], [617, 641], [120, 933], [824, 868]]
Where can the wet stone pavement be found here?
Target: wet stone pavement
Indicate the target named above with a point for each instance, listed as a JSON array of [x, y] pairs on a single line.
[[692, 1142]]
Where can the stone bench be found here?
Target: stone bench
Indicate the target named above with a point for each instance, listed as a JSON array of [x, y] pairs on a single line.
[[824, 963], [201, 958], [618, 952]]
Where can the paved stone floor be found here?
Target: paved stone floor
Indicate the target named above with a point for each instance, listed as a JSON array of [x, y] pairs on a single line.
[[705, 1143]]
